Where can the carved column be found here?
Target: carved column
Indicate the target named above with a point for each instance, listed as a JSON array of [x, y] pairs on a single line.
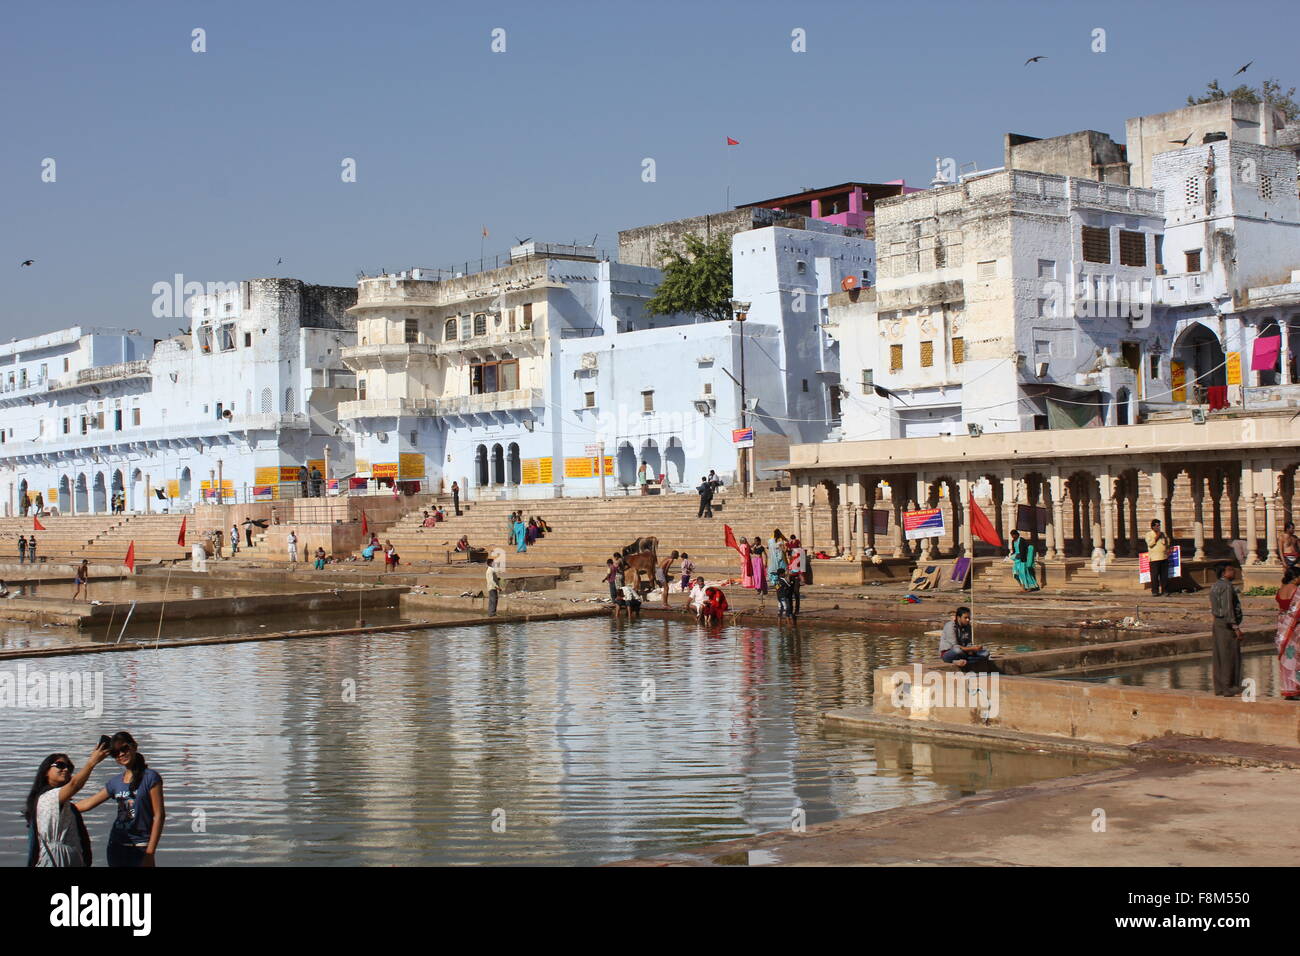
[[1197, 477], [848, 507], [1107, 489], [923, 501], [966, 537], [1272, 510], [1056, 532], [1010, 498], [896, 502], [1246, 501]]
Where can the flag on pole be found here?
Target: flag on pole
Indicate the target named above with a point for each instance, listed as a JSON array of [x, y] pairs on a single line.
[[365, 528], [181, 539], [485, 232], [732, 142], [36, 524], [130, 558], [730, 539], [981, 526]]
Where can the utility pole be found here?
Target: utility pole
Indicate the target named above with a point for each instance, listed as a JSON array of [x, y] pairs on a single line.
[[745, 457]]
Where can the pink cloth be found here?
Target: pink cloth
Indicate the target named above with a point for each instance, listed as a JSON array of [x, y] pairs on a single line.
[[1285, 641], [1266, 352], [746, 571]]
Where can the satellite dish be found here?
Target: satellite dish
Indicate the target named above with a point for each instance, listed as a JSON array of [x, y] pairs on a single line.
[[849, 283], [226, 415]]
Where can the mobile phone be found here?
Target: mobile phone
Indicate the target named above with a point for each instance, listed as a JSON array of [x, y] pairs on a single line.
[[106, 741]]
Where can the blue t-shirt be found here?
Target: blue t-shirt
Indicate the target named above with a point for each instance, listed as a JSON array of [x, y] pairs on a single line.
[[134, 820]]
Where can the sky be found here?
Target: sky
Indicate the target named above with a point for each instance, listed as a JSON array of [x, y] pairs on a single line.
[[214, 165]]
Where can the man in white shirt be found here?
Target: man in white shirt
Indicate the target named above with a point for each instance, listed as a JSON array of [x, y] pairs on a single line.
[[293, 547]]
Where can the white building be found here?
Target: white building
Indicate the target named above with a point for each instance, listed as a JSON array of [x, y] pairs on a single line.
[[241, 402]]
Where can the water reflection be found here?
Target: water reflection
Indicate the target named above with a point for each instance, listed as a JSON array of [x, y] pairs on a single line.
[[595, 741]]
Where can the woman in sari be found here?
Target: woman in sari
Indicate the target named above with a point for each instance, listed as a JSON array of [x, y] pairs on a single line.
[[758, 565], [530, 531], [520, 535], [776, 556], [746, 569], [1288, 634], [1022, 562]]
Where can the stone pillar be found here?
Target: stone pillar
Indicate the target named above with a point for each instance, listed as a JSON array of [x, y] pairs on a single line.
[[965, 537], [848, 505], [1246, 501], [809, 545], [923, 501], [867, 522], [1272, 505], [896, 534], [148, 494], [1056, 530], [1159, 492], [1198, 512], [796, 508], [1107, 486], [1010, 498], [1095, 517], [1284, 324]]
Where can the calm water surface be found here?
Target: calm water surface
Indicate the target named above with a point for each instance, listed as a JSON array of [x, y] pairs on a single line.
[[593, 741]]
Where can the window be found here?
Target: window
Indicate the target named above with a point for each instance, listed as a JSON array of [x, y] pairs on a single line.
[[67, 425], [220, 409], [449, 330], [1047, 268], [800, 267], [411, 436], [361, 389], [528, 316], [805, 385], [248, 340], [65, 365], [1160, 249], [205, 338], [99, 421], [1266, 188], [117, 420], [1193, 260], [987, 269], [648, 401], [480, 324], [868, 381], [227, 338], [958, 350], [1155, 366], [588, 399], [135, 417], [927, 354], [1192, 190], [1096, 244], [1132, 248], [289, 403], [412, 331], [708, 388], [895, 358], [488, 377], [833, 397]]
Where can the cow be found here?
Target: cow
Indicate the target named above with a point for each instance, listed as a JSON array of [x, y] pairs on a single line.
[[641, 564], [646, 543]]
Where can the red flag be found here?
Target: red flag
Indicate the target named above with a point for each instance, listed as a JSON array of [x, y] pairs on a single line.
[[732, 142], [729, 539], [130, 558], [365, 528], [181, 539], [981, 526], [36, 524]]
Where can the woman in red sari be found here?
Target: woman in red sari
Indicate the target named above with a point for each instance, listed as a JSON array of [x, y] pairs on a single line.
[[746, 569], [1288, 634], [758, 566]]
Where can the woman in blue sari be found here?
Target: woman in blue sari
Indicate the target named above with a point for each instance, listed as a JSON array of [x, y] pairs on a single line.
[[1022, 562], [521, 535], [776, 556]]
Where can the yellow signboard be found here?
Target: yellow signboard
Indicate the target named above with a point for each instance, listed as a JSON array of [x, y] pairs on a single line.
[[528, 471], [585, 467], [288, 473], [173, 488], [52, 496], [1178, 374], [1234, 368], [317, 463], [266, 476], [363, 468], [544, 471], [384, 469], [411, 465]]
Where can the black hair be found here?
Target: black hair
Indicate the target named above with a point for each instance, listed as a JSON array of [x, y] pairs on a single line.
[[137, 766], [41, 785], [959, 612], [1154, 522], [1221, 568], [1290, 574]]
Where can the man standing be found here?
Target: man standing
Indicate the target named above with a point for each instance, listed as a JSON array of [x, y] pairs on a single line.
[[293, 547], [493, 587], [1288, 547], [1158, 555], [455, 497], [248, 531], [643, 477], [706, 499], [304, 478], [317, 480], [956, 645], [1225, 605]]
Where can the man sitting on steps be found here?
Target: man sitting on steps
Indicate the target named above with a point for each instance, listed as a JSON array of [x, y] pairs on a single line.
[[956, 645]]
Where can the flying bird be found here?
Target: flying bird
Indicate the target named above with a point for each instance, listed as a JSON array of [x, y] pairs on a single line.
[[278, 261], [1243, 69], [1034, 59], [1183, 141], [27, 262], [520, 242]]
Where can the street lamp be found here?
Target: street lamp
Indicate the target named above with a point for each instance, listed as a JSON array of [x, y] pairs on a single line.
[[741, 311]]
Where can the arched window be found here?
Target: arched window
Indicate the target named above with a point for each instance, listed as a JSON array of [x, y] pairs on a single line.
[[480, 324], [449, 330], [267, 408], [288, 401]]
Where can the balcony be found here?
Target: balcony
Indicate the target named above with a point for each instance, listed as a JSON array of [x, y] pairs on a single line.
[[491, 402], [518, 343], [268, 421], [395, 356], [1190, 289], [387, 408]]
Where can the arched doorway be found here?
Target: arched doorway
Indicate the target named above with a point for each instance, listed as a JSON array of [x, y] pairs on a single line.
[[675, 460], [100, 494], [626, 464], [118, 499], [1201, 356], [185, 484], [1122, 398], [66, 504], [498, 465], [826, 500], [83, 494], [514, 472], [22, 497], [137, 491], [650, 455], [481, 466]]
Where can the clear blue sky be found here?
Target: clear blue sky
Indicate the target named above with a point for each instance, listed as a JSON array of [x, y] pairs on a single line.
[[216, 164]]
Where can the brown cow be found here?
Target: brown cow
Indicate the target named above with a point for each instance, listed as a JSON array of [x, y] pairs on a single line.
[[642, 544], [641, 564]]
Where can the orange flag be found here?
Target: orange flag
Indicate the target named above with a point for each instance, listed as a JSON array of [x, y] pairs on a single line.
[[130, 558], [36, 524], [729, 539], [181, 539], [365, 528], [981, 526]]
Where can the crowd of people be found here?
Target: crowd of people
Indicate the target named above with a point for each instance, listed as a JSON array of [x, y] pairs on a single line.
[[57, 835]]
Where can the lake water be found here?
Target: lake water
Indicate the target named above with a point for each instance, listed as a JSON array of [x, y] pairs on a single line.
[[585, 741]]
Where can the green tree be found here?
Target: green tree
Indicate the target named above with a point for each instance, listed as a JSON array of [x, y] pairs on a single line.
[[1270, 92], [697, 278]]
